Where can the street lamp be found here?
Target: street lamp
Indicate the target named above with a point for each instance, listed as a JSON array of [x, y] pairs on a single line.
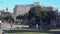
[[11, 24]]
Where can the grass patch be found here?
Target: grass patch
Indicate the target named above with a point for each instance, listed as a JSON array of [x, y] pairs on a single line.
[[30, 33], [17, 30]]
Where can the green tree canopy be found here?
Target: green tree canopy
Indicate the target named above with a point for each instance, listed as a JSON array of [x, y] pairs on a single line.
[[41, 15], [38, 12]]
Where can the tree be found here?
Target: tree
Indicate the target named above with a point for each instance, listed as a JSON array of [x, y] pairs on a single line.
[[2, 16], [41, 15], [9, 18], [38, 13], [23, 18], [20, 16], [26, 18], [51, 16]]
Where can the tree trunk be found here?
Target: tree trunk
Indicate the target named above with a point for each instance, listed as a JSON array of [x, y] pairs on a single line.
[[41, 25]]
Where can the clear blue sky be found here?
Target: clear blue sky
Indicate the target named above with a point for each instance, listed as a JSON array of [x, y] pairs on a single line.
[[11, 3]]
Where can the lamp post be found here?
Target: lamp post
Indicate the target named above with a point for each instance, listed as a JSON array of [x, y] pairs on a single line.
[[11, 24]]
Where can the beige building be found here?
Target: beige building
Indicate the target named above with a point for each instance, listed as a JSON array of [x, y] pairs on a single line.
[[22, 9]]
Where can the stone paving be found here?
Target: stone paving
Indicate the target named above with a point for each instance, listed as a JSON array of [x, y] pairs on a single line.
[[5, 25], [0, 31]]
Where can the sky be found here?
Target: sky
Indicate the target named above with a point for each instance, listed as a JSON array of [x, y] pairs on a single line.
[[11, 3]]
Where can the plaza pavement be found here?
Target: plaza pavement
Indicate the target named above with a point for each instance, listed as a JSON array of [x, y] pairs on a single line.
[[6, 25], [55, 30], [0, 31]]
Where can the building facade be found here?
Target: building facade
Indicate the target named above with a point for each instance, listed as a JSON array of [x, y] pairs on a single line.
[[22, 9], [5, 12]]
